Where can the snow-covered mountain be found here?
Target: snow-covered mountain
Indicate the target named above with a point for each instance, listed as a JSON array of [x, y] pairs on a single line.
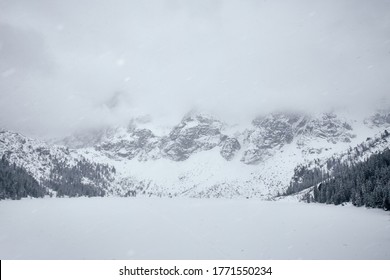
[[55, 166], [201, 156], [34, 155]]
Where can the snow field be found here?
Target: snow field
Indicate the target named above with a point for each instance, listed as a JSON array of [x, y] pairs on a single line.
[[140, 228]]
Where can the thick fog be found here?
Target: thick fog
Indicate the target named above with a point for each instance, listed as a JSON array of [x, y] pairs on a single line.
[[68, 65]]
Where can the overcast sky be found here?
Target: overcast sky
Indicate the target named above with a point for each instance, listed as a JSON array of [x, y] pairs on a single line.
[[66, 65]]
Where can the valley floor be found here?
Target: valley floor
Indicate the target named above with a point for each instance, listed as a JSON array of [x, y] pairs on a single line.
[[140, 228]]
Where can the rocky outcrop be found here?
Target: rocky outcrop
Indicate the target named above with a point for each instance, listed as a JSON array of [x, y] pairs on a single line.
[[193, 134], [201, 132], [230, 147], [329, 127], [270, 132], [130, 143]]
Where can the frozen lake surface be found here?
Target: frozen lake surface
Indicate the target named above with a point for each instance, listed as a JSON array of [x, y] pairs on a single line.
[[140, 228]]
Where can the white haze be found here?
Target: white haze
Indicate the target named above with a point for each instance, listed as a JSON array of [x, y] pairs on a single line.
[[66, 65]]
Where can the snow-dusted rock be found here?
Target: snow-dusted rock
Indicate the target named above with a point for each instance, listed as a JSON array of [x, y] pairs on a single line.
[[230, 147], [193, 134]]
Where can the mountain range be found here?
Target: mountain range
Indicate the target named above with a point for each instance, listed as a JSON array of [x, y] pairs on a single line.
[[201, 156]]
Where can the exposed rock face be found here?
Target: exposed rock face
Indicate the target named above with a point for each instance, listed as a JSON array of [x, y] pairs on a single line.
[[276, 130], [193, 134], [130, 143], [200, 132], [331, 128], [230, 146], [272, 131]]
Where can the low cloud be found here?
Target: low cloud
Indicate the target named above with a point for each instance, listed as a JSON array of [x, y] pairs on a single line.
[[68, 65]]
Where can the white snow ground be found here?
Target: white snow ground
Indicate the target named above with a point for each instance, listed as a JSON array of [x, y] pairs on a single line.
[[140, 228]]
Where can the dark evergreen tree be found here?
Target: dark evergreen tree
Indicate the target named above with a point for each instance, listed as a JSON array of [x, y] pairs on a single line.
[[16, 183], [364, 183], [82, 179]]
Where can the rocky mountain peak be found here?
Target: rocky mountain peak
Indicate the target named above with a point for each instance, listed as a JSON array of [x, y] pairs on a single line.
[[129, 143], [270, 132], [193, 134]]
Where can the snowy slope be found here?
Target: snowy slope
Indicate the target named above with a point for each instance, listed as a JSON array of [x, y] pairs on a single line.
[[46, 162], [34, 155]]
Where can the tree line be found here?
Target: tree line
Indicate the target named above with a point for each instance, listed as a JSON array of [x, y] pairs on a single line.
[[16, 183], [363, 183], [81, 179]]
